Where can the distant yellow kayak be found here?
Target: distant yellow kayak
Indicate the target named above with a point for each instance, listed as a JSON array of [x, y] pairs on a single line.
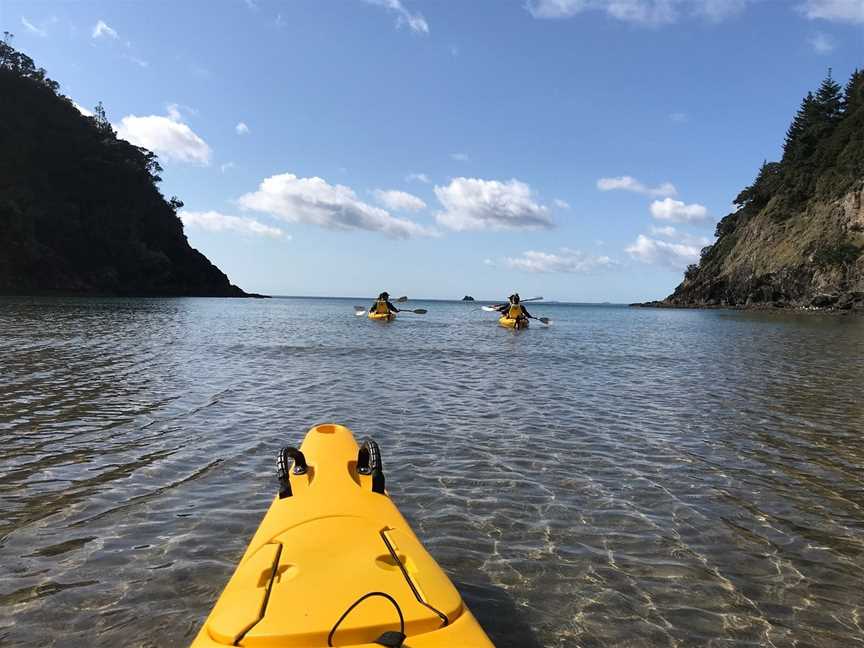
[[334, 563], [381, 316], [511, 322]]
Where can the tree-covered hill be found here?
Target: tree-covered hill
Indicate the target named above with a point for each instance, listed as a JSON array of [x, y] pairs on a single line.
[[80, 209], [797, 237]]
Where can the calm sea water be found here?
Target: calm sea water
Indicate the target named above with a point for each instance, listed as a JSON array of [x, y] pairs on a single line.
[[625, 477]]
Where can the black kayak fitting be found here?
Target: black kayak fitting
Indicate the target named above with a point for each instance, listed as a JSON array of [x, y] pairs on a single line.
[[369, 463], [290, 460]]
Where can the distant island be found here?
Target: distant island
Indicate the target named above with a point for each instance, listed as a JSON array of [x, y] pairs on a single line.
[[467, 298], [797, 236], [80, 209]]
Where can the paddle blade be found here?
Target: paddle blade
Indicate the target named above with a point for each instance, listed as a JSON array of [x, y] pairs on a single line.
[[545, 320], [401, 299], [419, 311], [489, 309], [360, 313]]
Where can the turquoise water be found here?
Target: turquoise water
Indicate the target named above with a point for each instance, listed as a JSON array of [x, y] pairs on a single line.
[[625, 477]]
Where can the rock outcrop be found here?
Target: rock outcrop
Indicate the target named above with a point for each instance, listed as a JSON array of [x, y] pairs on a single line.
[[797, 239], [80, 209]]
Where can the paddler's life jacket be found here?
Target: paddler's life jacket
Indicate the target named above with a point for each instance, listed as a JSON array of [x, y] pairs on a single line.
[[381, 307], [515, 311]]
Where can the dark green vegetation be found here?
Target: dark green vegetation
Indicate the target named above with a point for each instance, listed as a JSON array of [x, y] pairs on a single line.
[[80, 209], [798, 235]]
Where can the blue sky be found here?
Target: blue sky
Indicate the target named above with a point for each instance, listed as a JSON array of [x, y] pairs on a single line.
[[578, 149]]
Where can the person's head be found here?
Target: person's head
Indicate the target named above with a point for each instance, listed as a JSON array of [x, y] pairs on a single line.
[[384, 295], [514, 298]]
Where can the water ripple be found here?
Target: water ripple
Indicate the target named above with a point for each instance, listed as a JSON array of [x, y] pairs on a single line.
[[624, 478]]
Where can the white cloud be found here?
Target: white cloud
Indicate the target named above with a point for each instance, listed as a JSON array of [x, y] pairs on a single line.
[[102, 30], [678, 117], [564, 260], [398, 200], [33, 29], [226, 166], [664, 231], [316, 202], [676, 211], [166, 136], [821, 43], [137, 61], [475, 204], [241, 128], [82, 109], [561, 204], [415, 21], [460, 157], [680, 237], [626, 183], [251, 4], [213, 221], [850, 11], [417, 177], [644, 12], [676, 256]]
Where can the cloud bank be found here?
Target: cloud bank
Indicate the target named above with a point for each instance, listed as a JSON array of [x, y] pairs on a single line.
[[475, 204], [675, 211], [167, 136], [628, 183], [564, 260], [398, 200], [316, 202], [641, 12], [213, 221]]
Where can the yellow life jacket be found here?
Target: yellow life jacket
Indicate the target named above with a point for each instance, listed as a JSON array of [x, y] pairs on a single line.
[[515, 311], [381, 307]]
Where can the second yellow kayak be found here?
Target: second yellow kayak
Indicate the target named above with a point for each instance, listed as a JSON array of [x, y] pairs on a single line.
[[334, 563], [513, 323]]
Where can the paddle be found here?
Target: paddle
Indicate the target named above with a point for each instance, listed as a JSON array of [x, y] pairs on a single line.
[[543, 320], [401, 299], [359, 311], [492, 309]]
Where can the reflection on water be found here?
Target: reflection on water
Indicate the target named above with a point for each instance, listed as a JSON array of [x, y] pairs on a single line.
[[623, 478]]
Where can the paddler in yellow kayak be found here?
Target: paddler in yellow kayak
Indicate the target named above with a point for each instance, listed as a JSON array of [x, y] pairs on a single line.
[[382, 305], [515, 310]]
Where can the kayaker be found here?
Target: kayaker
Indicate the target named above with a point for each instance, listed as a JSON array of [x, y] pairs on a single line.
[[514, 309], [382, 305]]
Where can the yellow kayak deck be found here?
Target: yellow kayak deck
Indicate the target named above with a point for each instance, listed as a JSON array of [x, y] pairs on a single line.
[[333, 543], [381, 316], [510, 322]]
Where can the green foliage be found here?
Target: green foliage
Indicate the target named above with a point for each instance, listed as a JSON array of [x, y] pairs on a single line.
[[80, 209], [840, 255], [759, 193], [823, 157], [823, 152]]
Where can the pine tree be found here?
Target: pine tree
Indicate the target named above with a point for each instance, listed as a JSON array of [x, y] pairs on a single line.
[[853, 94], [829, 100], [801, 123]]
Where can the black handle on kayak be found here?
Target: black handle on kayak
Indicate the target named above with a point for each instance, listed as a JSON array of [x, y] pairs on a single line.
[[287, 456], [369, 463]]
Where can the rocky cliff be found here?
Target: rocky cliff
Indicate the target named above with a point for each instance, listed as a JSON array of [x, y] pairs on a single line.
[[798, 235], [80, 209]]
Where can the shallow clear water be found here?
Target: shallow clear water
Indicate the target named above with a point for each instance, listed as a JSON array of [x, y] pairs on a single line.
[[626, 477]]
